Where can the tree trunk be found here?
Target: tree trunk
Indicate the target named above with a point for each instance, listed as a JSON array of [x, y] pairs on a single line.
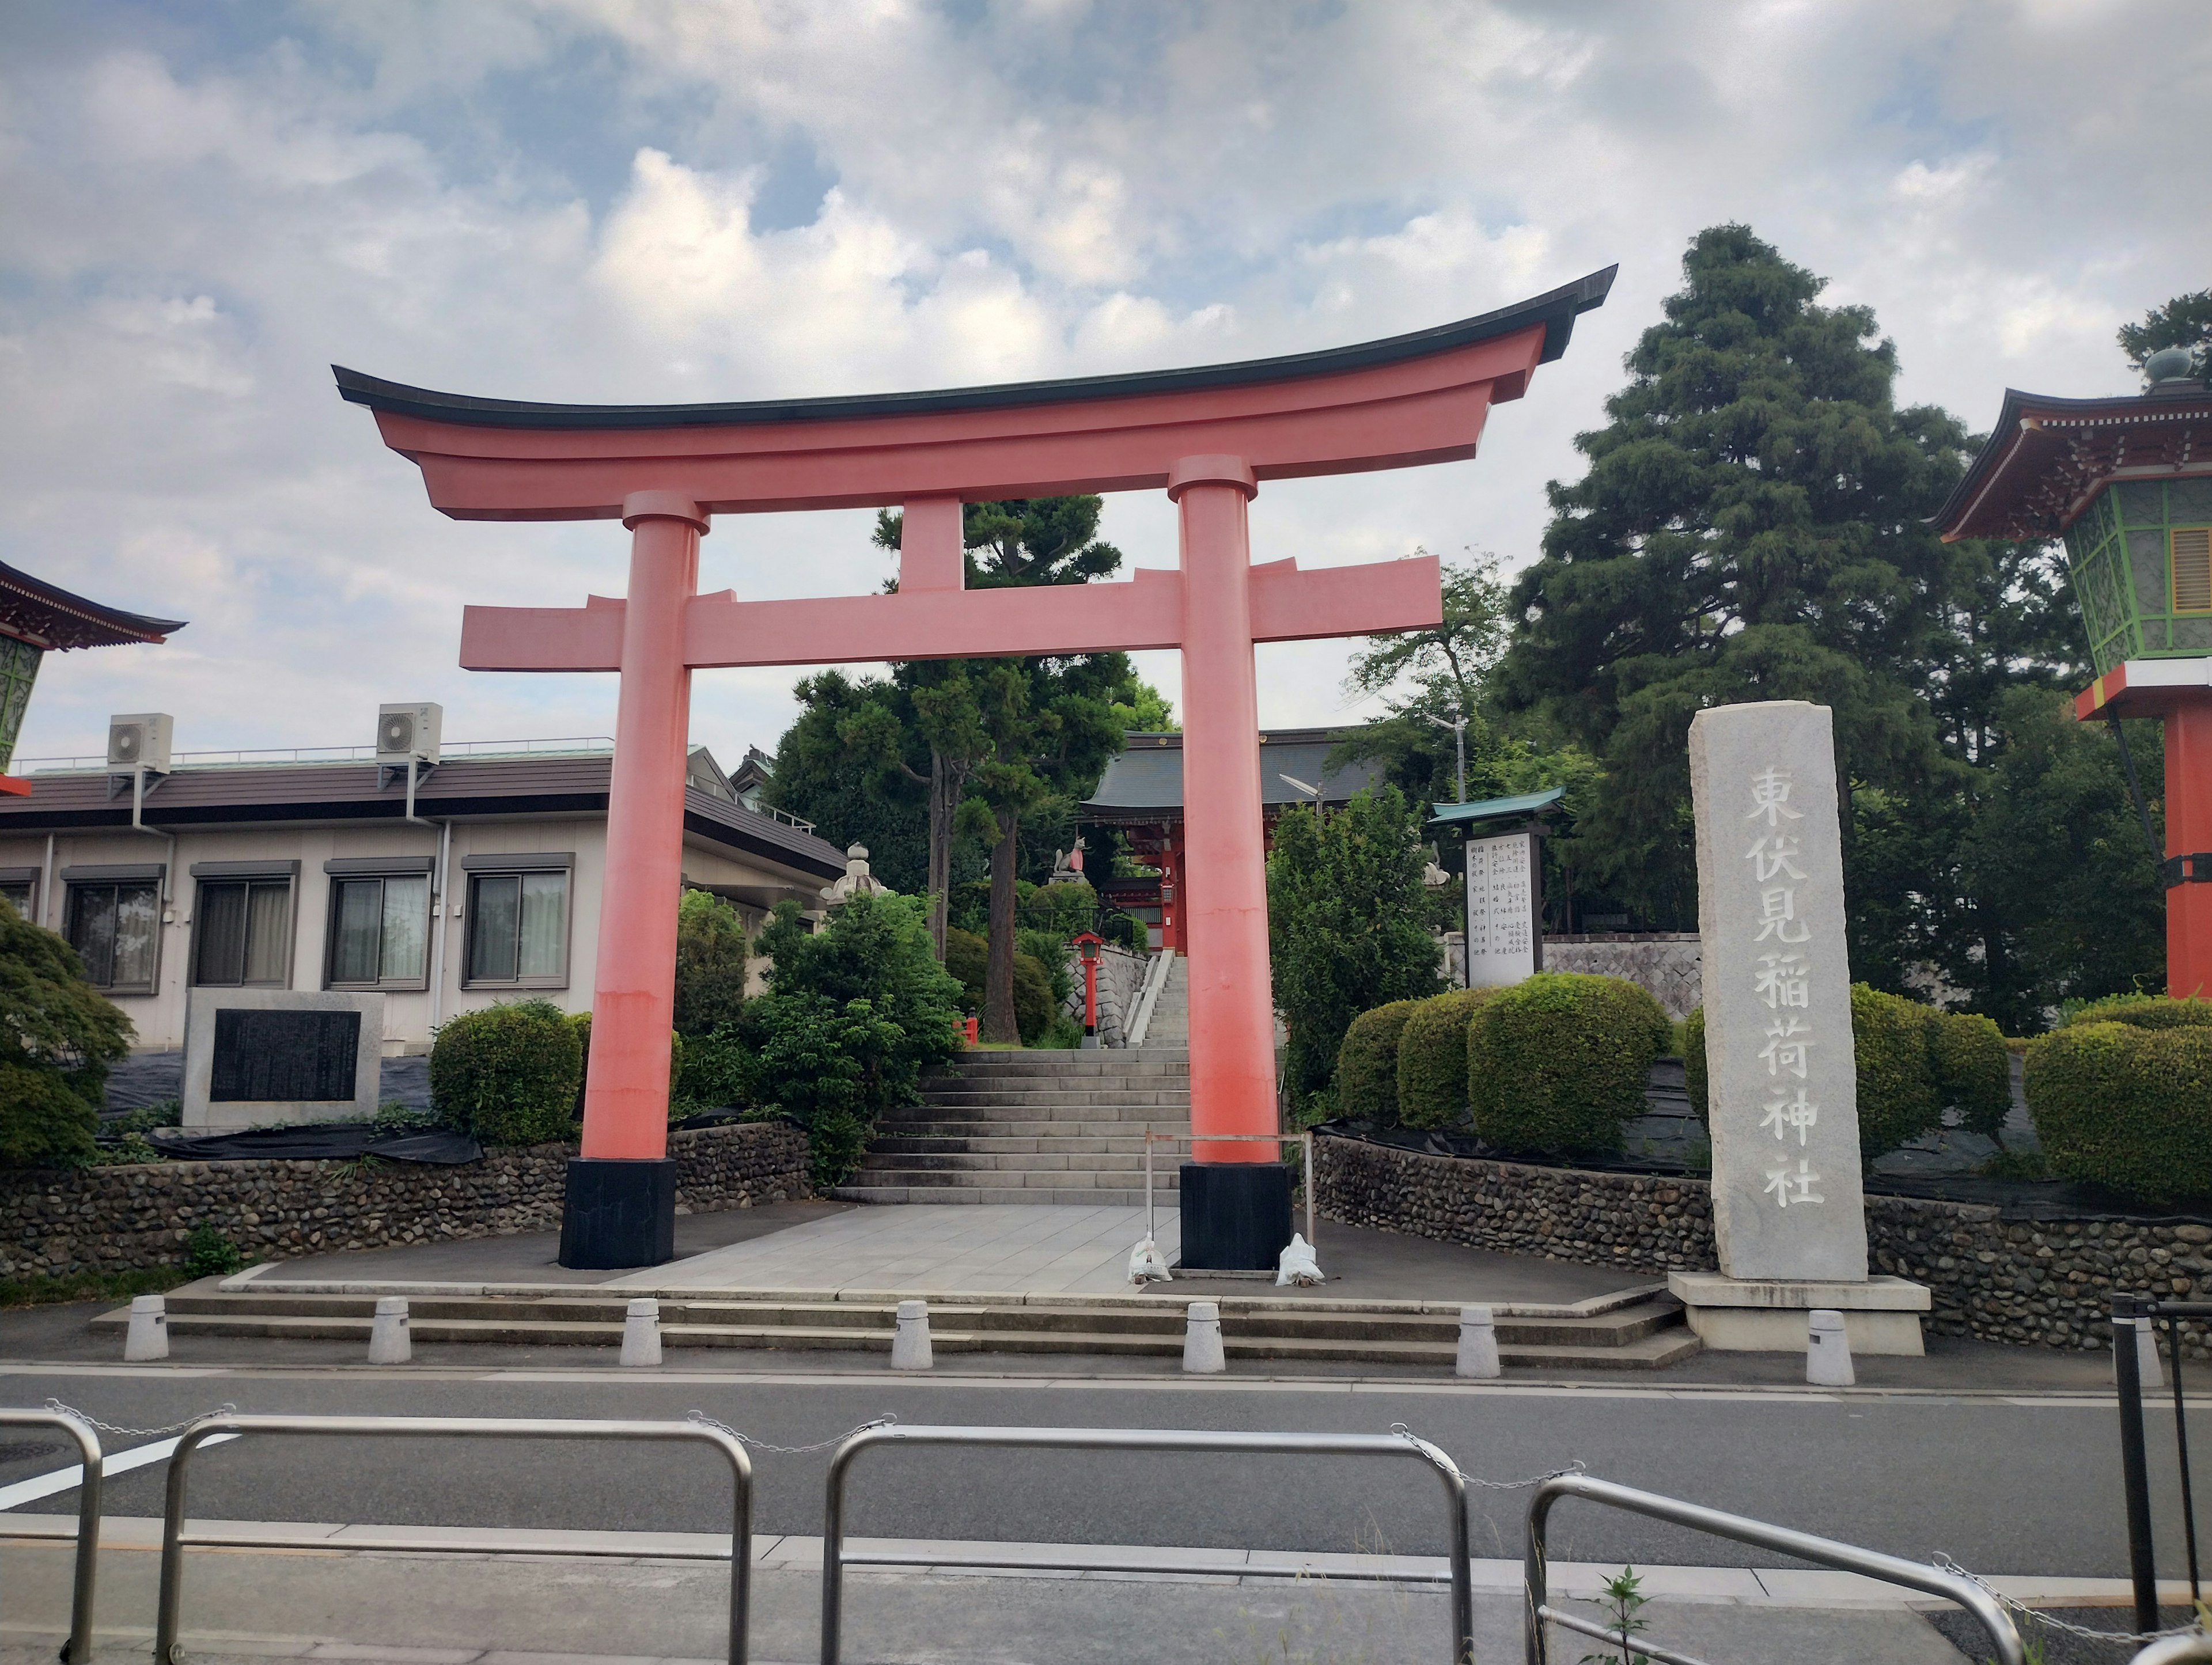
[[942, 801], [998, 1022]]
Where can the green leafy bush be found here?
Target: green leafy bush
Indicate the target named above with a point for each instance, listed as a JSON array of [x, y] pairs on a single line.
[[2122, 1105], [710, 962], [1432, 1059], [1050, 950], [1913, 1063], [1973, 1069], [967, 957], [58, 1036], [718, 1071], [1558, 1062], [208, 1253], [851, 1016], [510, 1074], [2143, 1011], [1367, 1063], [1061, 909]]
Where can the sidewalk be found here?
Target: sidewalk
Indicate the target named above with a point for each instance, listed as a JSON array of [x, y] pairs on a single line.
[[629, 1599]]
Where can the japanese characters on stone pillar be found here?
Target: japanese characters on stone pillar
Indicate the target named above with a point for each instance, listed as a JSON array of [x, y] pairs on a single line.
[[1782, 1083], [1505, 904]]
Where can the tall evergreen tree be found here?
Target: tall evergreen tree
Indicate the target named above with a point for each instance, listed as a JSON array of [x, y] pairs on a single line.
[[2183, 321]]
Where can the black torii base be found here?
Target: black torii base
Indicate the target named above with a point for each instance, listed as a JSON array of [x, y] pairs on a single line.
[[1236, 1215], [618, 1213]]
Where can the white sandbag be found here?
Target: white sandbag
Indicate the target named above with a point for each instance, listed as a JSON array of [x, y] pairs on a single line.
[[1296, 1264], [1147, 1265]]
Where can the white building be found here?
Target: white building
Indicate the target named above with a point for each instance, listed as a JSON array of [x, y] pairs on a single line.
[[231, 872]]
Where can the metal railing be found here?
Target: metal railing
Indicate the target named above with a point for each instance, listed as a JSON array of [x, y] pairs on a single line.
[[265, 757], [174, 1542], [2134, 1463], [77, 1651], [1303, 1139], [1822, 1551], [834, 1558]]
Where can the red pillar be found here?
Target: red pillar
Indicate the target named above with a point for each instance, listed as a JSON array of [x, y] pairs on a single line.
[[2188, 831], [1225, 906], [634, 995]]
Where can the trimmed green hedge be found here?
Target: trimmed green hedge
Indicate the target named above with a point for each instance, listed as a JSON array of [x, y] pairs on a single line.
[[2127, 1106], [2143, 1011], [1367, 1064], [1432, 1059], [509, 1074], [1914, 1062], [1557, 1062]]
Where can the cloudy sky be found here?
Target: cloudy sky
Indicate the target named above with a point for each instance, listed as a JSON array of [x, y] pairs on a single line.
[[201, 206]]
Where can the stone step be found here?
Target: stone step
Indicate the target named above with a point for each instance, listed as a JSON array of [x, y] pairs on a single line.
[[971, 1126], [879, 1161], [1138, 1061], [1068, 1197], [1154, 1090], [995, 1144]]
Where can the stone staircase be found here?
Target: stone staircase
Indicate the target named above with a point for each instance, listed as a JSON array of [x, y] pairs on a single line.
[[1036, 1126], [1634, 1329]]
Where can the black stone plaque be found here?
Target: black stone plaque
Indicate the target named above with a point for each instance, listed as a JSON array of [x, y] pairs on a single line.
[[283, 1057]]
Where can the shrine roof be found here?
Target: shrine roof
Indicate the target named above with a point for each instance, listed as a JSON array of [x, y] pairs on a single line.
[[49, 616], [461, 788], [1495, 809], [2048, 458], [1556, 310], [1144, 782]]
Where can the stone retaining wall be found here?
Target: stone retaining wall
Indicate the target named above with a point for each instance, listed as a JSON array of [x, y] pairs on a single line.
[[1666, 965], [2044, 1283], [137, 1216]]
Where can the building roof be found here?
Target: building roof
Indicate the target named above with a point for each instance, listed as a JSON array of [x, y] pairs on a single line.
[[1556, 310], [47, 616], [464, 789], [2047, 458], [1144, 781], [1495, 809]]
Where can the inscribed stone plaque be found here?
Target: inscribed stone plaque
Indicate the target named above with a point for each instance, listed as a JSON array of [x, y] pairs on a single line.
[[1784, 1091], [1504, 895], [264, 1056]]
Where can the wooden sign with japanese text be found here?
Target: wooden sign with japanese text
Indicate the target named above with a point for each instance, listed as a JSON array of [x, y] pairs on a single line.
[[1504, 909]]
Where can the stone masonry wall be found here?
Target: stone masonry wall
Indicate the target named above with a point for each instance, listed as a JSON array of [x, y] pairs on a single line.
[[137, 1216], [1666, 965], [2044, 1283]]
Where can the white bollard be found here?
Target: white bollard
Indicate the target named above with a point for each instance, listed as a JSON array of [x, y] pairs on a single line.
[[1201, 1339], [1827, 1350], [910, 1348], [388, 1340], [642, 1333], [148, 1336], [1478, 1344], [2146, 1363]]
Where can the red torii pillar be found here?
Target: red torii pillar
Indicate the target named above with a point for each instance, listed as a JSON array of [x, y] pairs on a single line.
[[1208, 436]]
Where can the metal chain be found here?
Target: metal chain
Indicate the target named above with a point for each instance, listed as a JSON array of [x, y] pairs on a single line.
[[1945, 1563], [705, 1421], [86, 1417], [1573, 1468]]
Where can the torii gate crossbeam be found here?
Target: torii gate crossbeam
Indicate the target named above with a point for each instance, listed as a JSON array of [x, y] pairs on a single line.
[[1209, 436]]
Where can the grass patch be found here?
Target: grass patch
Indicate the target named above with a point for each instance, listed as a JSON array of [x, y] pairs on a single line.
[[39, 1291]]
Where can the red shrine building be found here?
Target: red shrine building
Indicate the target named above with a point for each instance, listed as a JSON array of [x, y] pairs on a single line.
[[2128, 483], [38, 619]]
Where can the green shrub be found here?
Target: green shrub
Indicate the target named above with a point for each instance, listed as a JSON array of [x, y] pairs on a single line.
[[1913, 1063], [1050, 950], [2128, 1107], [967, 957], [58, 1036], [1060, 910], [1432, 1059], [710, 962], [508, 1074], [208, 1253], [1558, 1062], [2143, 1011], [1367, 1063], [716, 1071], [1973, 1069]]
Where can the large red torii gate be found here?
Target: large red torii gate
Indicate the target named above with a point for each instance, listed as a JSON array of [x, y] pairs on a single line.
[[1207, 436]]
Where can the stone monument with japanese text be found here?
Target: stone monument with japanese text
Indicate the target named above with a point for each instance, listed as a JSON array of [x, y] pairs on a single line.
[[1504, 909], [1789, 1214]]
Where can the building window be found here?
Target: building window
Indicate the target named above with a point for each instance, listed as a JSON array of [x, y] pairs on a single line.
[[381, 930], [21, 895], [2192, 569], [518, 928], [116, 930], [242, 933]]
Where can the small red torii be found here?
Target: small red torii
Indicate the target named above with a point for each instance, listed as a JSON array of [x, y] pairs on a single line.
[[1207, 436]]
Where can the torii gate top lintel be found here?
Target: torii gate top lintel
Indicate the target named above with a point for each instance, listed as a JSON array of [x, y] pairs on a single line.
[[1397, 403], [1207, 436]]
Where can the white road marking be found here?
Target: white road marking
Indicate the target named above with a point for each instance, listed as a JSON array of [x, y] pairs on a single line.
[[111, 1464]]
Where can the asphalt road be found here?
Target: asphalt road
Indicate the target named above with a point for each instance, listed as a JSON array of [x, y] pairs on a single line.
[[2005, 1487]]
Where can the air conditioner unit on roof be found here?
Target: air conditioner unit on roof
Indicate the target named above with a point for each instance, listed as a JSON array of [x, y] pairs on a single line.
[[408, 734], [140, 741]]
